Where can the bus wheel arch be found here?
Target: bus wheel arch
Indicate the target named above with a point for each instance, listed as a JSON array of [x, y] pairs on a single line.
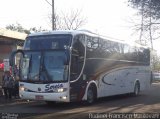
[[136, 88]]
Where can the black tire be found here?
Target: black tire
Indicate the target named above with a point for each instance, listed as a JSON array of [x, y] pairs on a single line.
[[137, 89], [50, 102], [91, 95]]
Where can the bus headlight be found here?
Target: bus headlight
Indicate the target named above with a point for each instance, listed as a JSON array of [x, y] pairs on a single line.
[[64, 97], [60, 90], [21, 88]]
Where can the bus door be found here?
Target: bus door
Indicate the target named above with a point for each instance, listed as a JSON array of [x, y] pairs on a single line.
[[77, 57], [76, 68]]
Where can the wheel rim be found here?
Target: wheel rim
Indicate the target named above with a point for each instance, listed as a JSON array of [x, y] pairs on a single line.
[[90, 96]]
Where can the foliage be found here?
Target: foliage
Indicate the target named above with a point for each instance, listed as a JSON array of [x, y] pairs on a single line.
[[156, 62], [35, 29], [149, 6], [150, 20], [72, 20], [18, 27]]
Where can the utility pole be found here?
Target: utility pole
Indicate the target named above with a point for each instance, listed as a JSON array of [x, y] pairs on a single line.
[[53, 16]]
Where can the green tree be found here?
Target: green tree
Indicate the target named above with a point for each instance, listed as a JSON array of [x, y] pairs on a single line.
[[35, 29], [150, 19], [156, 62], [148, 6], [18, 27]]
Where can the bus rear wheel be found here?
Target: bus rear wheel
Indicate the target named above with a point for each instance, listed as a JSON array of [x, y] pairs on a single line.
[[136, 89]]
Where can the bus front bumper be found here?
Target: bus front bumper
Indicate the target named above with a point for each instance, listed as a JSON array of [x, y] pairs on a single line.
[[57, 97]]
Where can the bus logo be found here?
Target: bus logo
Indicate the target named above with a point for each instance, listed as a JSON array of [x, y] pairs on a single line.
[[51, 87], [39, 89]]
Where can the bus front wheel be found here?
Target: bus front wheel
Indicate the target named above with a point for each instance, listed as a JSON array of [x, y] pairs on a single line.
[[91, 95]]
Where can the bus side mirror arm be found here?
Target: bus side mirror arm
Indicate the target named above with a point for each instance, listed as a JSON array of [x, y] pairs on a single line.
[[12, 57]]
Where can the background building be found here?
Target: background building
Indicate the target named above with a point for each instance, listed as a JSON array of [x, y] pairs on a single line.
[[9, 41]]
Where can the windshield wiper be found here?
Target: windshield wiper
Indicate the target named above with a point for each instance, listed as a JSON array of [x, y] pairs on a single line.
[[66, 58], [44, 73], [30, 65]]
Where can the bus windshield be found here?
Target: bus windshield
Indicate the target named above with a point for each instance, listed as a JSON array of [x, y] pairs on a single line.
[[47, 42], [46, 66], [54, 65]]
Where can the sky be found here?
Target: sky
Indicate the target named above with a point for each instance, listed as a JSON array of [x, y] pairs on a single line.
[[112, 18]]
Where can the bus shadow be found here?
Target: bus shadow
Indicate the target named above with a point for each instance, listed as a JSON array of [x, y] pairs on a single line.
[[117, 102], [62, 105]]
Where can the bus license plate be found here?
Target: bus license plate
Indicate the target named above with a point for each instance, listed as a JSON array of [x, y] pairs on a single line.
[[39, 97]]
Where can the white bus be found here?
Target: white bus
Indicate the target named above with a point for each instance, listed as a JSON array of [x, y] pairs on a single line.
[[67, 66]]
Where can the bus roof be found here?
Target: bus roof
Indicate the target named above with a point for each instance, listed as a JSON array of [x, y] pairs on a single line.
[[86, 32], [72, 32]]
